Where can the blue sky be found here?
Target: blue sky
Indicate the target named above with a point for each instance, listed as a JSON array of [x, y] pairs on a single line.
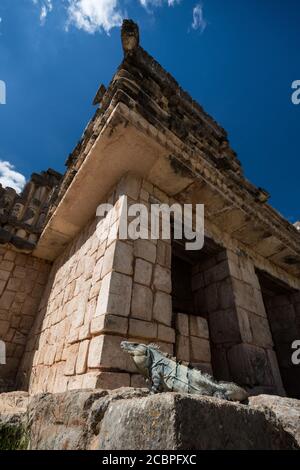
[[238, 58]]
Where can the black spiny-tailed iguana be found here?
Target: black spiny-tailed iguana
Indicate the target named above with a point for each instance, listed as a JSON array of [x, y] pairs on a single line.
[[165, 374]]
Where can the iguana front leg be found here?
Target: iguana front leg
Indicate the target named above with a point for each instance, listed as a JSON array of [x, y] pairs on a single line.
[[156, 381]]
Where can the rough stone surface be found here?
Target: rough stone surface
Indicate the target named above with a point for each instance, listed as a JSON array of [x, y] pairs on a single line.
[[129, 419], [286, 410]]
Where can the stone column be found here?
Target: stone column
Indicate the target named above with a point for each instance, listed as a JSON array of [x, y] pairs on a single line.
[[242, 346], [284, 315]]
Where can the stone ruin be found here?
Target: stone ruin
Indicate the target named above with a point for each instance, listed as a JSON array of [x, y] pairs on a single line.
[[68, 297]]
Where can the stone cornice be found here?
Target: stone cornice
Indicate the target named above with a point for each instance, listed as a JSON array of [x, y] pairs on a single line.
[[143, 94]]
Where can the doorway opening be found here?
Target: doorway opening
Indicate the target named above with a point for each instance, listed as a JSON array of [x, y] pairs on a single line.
[[192, 276], [285, 327]]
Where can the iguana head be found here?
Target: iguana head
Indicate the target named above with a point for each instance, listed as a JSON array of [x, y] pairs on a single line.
[[140, 354], [134, 349]]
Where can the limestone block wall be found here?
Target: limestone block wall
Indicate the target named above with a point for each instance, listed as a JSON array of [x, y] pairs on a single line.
[[100, 291], [192, 341], [134, 300], [56, 351], [227, 292], [253, 361], [22, 282]]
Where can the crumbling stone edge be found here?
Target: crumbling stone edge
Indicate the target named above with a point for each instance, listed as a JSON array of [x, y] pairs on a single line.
[[130, 419]]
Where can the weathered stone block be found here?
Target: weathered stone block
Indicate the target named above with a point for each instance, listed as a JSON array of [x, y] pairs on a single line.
[[129, 185], [142, 302], [71, 359], [250, 366], [14, 284], [217, 273], [248, 271], [75, 382], [211, 298], [123, 258], [166, 347], [226, 294], [6, 265], [142, 329], [20, 272], [89, 380], [95, 351], [164, 253], [6, 300], [4, 275], [183, 348], [85, 419], [260, 306], [162, 279], [105, 353], [199, 327], [260, 331], [276, 372], [168, 422], [79, 313], [234, 268], [109, 324], [112, 380], [4, 327], [244, 325], [97, 274], [108, 259], [166, 334], [162, 310], [115, 295], [144, 195], [143, 272], [145, 249], [182, 324], [224, 327], [244, 295], [81, 362], [200, 350]]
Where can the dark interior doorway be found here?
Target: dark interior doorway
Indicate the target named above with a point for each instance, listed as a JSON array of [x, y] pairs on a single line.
[[191, 302], [285, 327], [188, 294]]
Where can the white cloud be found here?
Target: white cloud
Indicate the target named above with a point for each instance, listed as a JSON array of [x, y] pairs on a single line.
[[94, 15], [46, 7], [198, 18], [11, 178], [158, 3]]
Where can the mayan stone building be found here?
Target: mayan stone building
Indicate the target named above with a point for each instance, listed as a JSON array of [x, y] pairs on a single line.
[[70, 296]]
